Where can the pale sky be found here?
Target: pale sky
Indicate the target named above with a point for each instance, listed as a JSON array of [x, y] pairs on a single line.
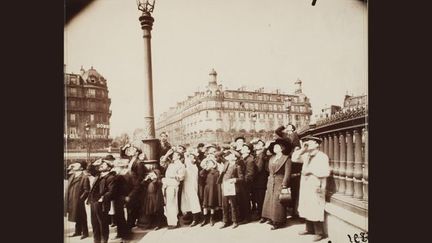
[[248, 42]]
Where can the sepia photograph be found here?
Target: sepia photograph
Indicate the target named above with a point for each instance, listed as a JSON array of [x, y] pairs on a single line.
[[215, 121]]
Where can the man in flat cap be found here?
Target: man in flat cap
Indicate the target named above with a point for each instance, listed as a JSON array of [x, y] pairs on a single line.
[[312, 185], [76, 194]]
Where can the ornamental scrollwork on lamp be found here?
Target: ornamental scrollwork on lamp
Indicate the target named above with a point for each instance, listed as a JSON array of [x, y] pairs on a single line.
[[145, 6]]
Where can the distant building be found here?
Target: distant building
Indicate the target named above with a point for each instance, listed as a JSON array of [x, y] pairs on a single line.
[[327, 112], [351, 102], [218, 115], [86, 101]]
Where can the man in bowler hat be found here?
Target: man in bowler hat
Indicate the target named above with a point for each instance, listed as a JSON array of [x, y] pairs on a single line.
[[77, 192]]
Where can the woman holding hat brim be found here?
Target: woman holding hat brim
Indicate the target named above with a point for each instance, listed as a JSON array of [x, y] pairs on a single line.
[[279, 176], [211, 192]]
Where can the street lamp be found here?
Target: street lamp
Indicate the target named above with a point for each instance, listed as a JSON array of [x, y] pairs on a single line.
[[87, 130], [254, 119], [150, 144], [288, 103]]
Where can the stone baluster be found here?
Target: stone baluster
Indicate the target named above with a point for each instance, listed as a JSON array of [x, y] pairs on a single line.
[[321, 147], [342, 164], [325, 142], [366, 166], [358, 166], [336, 160], [349, 190], [330, 155]]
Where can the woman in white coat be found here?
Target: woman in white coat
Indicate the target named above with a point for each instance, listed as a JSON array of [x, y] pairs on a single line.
[[312, 185], [174, 174], [189, 198]]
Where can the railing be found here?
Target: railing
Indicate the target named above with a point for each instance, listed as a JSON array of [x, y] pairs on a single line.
[[345, 141]]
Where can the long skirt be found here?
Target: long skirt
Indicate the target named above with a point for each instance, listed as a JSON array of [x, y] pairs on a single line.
[[272, 208], [171, 207]]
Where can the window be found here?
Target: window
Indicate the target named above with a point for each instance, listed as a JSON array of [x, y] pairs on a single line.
[[240, 96], [271, 116], [270, 107], [251, 96], [275, 107], [91, 93], [241, 114], [91, 117], [72, 117], [92, 105], [237, 105], [260, 97], [73, 91], [72, 130], [256, 106], [72, 103]]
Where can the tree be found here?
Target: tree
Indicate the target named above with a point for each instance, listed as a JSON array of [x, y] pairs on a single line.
[[120, 141]]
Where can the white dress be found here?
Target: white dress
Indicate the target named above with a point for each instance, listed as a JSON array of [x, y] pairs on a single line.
[[311, 203], [189, 198], [174, 174]]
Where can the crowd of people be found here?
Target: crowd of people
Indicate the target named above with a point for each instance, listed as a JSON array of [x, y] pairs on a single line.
[[236, 183]]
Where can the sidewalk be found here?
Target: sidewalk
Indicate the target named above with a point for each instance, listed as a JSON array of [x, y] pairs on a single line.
[[248, 233]]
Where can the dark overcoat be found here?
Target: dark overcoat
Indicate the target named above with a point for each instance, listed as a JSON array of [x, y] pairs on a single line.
[[279, 176], [262, 171], [76, 194], [212, 197]]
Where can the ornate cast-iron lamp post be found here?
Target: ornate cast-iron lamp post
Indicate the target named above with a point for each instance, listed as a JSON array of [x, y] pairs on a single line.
[[288, 104], [150, 142], [150, 145]]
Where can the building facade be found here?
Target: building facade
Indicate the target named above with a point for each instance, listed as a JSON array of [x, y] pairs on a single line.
[[351, 102], [86, 102], [218, 115]]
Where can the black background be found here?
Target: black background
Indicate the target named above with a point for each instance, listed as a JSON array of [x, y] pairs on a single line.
[[32, 117]]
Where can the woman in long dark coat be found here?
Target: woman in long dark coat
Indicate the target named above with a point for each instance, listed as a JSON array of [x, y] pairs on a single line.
[[153, 198], [212, 193], [279, 175]]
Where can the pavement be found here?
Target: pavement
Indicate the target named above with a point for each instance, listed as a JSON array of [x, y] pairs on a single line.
[[246, 233]]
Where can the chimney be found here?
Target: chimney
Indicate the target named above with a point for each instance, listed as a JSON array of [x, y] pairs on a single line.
[[298, 86]]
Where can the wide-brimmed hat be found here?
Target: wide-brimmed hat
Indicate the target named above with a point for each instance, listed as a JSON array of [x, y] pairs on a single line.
[[284, 143], [200, 145], [240, 137], [307, 138], [184, 148], [249, 145], [209, 145], [255, 141]]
